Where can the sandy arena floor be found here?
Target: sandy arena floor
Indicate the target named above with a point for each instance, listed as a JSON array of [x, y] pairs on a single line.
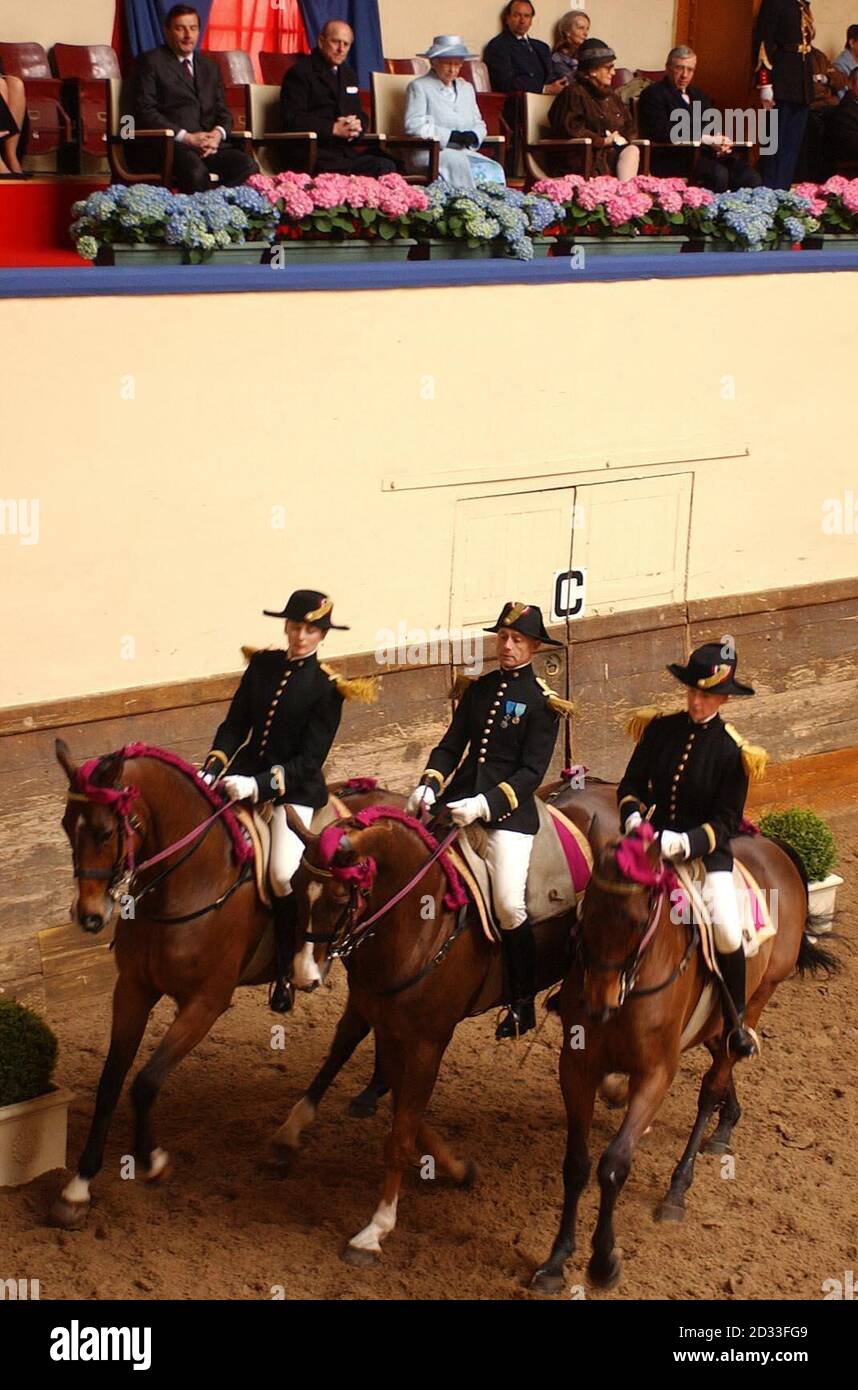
[[227, 1225]]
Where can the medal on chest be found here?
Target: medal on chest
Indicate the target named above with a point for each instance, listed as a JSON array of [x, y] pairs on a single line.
[[512, 713]]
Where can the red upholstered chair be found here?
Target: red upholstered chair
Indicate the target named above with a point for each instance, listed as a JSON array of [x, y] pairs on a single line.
[[416, 67], [85, 70], [274, 66], [50, 126], [651, 74], [236, 70], [476, 72], [491, 103], [621, 77]]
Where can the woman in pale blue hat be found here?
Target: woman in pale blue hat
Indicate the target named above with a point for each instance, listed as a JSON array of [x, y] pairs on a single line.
[[443, 106]]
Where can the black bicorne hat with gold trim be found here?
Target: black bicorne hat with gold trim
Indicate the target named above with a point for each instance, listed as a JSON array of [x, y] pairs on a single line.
[[309, 606], [525, 618], [711, 671]]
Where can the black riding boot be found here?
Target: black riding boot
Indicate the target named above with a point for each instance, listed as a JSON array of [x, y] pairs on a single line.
[[282, 995], [741, 1041], [520, 955]]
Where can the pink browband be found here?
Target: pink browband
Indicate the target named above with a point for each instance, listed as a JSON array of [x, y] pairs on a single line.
[[363, 872], [634, 864]]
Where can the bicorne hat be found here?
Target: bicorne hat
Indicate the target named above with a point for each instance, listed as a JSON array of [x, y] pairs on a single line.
[[525, 618], [711, 671], [309, 606]]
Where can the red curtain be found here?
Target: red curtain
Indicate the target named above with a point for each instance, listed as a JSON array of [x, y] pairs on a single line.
[[272, 26]]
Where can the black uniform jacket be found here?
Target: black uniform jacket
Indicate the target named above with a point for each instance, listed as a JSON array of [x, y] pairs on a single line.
[[783, 27], [165, 98], [694, 776], [291, 710], [505, 721], [518, 65], [313, 97]]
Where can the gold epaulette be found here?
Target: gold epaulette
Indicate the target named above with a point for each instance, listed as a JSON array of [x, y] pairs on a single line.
[[556, 702], [361, 688], [754, 758], [640, 719], [461, 683], [248, 652]]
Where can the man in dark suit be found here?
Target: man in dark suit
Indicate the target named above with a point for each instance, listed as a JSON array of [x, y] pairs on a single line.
[[783, 47], [843, 123], [517, 63], [176, 88], [718, 167], [320, 93]]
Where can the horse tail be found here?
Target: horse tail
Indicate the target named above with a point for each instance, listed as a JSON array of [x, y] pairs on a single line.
[[812, 957]]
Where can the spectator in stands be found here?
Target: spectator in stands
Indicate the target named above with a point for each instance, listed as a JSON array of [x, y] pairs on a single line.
[[590, 107], [320, 93], [718, 167], [443, 106], [517, 63], [847, 61], [843, 123], [177, 88], [829, 83], [572, 29], [13, 116]]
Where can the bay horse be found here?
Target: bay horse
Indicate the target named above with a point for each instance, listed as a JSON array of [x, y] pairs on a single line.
[[417, 969], [634, 986], [193, 932]]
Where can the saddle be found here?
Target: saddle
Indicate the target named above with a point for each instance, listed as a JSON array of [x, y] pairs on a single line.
[[559, 870]]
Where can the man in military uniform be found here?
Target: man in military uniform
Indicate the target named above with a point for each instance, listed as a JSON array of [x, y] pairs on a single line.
[[507, 720], [689, 775], [274, 740], [783, 48]]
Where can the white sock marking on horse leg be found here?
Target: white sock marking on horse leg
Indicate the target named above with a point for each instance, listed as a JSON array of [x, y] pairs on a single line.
[[305, 971], [77, 1190], [380, 1226], [158, 1160], [302, 1114]]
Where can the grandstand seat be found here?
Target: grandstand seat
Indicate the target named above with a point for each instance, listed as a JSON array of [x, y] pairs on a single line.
[[236, 70], [414, 67], [277, 149], [621, 77], [274, 66], [388, 115], [158, 142], [50, 125], [84, 70], [539, 146], [491, 103]]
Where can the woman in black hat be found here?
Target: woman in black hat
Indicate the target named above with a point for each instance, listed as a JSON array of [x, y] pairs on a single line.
[[274, 741], [507, 719], [689, 775], [590, 107]]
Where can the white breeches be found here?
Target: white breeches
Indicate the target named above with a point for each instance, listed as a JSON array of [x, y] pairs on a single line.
[[286, 848], [720, 896], [507, 857]]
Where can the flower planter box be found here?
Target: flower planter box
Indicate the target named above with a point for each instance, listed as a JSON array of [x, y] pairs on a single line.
[[449, 249], [622, 245], [33, 1137], [832, 241], [822, 895], [140, 253], [317, 251], [542, 246], [242, 253]]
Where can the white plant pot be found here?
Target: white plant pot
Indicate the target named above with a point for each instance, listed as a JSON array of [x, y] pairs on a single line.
[[822, 896], [33, 1137]]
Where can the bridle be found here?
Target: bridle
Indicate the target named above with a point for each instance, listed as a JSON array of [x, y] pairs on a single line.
[[629, 968]]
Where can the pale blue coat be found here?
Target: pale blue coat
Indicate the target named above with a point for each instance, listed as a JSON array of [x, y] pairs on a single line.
[[432, 110]]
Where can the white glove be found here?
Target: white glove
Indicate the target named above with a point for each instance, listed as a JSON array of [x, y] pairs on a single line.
[[421, 799], [766, 93], [674, 846], [207, 777], [469, 809], [240, 788], [632, 821]]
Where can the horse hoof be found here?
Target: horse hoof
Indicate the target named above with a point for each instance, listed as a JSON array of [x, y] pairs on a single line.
[[362, 1107], [360, 1259], [160, 1167], [715, 1146], [669, 1211], [470, 1177], [70, 1215], [605, 1277], [544, 1281]]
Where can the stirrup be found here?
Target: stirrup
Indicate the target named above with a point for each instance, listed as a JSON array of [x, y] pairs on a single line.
[[749, 1045], [519, 1019]]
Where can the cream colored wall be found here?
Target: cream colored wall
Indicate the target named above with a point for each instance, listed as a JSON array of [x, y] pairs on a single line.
[[833, 18], [57, 21], [641, 31], [176, 426]]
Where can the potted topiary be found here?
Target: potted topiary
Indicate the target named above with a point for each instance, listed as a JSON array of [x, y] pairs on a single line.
[[33, 1112], [810, 837]]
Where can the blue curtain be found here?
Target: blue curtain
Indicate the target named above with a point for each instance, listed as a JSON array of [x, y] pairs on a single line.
[[362, 15], [144, 20]]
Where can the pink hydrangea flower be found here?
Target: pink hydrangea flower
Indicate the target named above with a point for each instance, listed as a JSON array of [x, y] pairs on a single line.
[[697, 197], [836, 185]]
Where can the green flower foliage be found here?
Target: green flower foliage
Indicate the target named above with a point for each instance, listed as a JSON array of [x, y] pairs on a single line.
[[28, 1052], [807, 834]]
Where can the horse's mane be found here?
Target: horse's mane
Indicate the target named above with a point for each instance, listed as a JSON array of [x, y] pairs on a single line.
[[241, 847], [455, 896]]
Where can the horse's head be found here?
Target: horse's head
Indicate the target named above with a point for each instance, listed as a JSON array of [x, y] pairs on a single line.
[[618, 918], [101, 831], [332, 884]]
